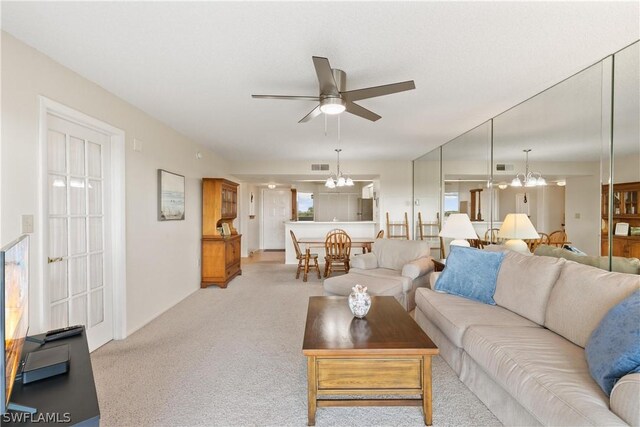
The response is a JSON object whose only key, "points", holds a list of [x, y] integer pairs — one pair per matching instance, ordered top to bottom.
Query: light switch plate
{"points": [[137, 145], [577, 215], [27, 224]]}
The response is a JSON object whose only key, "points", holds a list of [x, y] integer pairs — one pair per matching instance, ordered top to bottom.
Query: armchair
{"points": [[393, 267]]}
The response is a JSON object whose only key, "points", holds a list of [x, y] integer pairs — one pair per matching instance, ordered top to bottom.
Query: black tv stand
{"points": [[67, 399]]}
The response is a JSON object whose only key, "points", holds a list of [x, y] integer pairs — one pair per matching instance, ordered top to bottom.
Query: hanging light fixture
{"points": [[528, 178], [339, 179]]}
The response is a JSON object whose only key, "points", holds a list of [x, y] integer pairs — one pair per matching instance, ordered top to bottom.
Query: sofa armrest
{"points": [[365, 261], [418, 268], [433, 277], [625, 399]]}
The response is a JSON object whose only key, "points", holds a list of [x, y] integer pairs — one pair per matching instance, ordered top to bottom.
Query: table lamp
{"points": [[458, 227], [515, 228]]}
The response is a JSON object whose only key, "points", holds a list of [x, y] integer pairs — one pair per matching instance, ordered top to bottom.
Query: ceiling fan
{"points": [[333, 96]]}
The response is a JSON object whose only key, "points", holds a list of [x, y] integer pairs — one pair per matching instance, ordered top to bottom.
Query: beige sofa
{"points": [[618, 263], [393, 267], [524, 357]]}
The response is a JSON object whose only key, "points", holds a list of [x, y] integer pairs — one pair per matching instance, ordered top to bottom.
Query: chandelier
{"points": [[528, 178], [339, 179]]}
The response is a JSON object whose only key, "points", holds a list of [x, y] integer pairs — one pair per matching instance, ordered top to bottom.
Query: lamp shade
{"points": [[458, 226], [517, 226]]}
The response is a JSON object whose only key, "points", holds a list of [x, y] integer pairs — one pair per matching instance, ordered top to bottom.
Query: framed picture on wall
{"points": [[170, 196]]}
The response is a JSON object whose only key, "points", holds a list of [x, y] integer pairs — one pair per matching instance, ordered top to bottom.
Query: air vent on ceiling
{"points": [[320, 167], [504, 167]]}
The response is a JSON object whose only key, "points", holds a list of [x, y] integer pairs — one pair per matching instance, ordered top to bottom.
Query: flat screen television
{"points": [[14, 312]]}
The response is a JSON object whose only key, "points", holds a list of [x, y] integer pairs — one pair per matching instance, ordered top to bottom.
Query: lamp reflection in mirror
{"points": [[458, 227], [515, 228]]}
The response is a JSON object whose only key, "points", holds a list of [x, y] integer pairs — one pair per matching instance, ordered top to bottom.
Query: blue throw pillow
{"points": [[470, 273], [613, 350]]}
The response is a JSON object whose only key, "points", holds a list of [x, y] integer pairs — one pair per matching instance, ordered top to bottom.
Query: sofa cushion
{"points": [[394, 254], [619, 264], [385, 273], [470, 273], [525, 282], [341, 285], [582, 296], [453, 314], [613, 350], [547, 374], [625, 399]]}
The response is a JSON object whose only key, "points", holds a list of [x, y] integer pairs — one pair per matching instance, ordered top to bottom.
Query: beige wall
{"points": [[162, 257]]}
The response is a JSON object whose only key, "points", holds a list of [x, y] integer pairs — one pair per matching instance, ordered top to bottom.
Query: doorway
{"points": [[276, 210], [82, 224]]}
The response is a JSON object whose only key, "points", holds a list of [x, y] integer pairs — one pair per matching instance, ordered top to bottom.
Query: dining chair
{"points": [[402, 228], [380, 234], [491, 236], [558, 238], [337, 247], [304, 259]]}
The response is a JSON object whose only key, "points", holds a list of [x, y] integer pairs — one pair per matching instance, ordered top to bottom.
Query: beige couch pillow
{"points": [[394, 254], [525, 282], [582, 296]]}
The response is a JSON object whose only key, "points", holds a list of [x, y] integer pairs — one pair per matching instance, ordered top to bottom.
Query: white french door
{"points": [[276, 207], [78, 282]]}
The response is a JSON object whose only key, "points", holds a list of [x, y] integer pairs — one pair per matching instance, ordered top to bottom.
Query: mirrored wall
{"points": [[552, 158]]}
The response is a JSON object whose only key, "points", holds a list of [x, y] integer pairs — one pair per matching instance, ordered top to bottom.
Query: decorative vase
{"points": [[359, 301]]}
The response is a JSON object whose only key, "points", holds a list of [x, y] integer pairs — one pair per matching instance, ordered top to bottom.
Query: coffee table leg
{"points": [[312, 389], [426, 390]]}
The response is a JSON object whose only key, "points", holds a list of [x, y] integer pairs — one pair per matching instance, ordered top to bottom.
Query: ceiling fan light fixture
{"points": [[332, 105], [561, 183], [502, 186]]}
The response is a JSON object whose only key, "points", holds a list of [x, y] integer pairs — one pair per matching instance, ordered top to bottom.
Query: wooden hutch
{"points": [[626, 208], [220, 251]]}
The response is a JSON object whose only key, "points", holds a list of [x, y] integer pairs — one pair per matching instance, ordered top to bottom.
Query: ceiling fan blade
{"points": [[325, 76], [372, 92], [287, 97], [362, 112], [312, 114]]}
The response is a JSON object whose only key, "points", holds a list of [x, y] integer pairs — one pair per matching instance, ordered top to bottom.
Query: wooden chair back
{"points": [[401, 227], [380, 234], [491, 235], [544, 238], [558, 238], [296, 245], [337, 245]]}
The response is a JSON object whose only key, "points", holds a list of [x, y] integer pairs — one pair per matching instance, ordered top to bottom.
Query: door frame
{"points": [[116, 211]]}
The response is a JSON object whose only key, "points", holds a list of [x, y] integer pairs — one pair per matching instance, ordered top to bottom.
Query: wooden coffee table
{"points": [[384, 354]]}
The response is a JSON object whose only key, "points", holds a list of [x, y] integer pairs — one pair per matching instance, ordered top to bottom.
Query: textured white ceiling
{"points": [[195, 65]]}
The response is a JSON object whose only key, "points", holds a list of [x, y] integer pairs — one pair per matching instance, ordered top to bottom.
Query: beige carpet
{"points": [[233, 357]]}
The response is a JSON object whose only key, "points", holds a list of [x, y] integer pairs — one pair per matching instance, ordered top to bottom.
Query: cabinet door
{"points": [[619, 247], [633, 248], [232, 254]]}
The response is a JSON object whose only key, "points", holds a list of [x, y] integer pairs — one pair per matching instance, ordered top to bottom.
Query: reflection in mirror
{"points": [[547, 155], [466, 172], [426, 196], [625, 224]]}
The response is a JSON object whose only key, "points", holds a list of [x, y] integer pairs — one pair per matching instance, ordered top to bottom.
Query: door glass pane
{"points": [[56, 152], [76, 156], [95, 160], [57, 195], [95, 197], [77, 204], [95, 234], [77, 236], [57, 237], [95, 270], [78, 275], [57, 280], [97, 307], [78, 310], [59, 315]]}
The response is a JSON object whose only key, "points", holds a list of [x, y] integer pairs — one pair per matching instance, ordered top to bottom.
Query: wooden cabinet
{"points": [[626, 208], [220, 253]]}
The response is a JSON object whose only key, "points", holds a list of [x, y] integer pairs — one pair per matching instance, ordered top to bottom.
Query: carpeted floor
{"points": [[233, 357]]}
